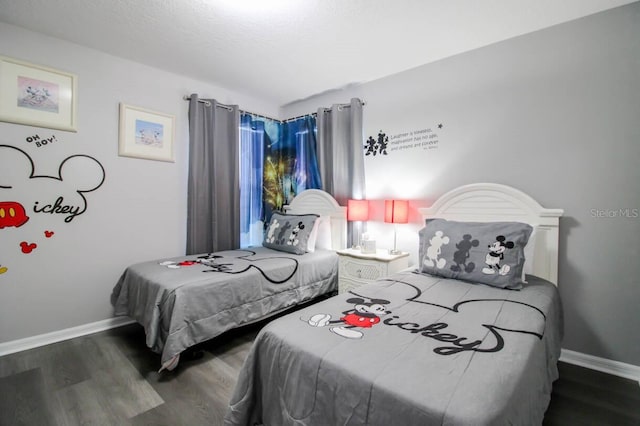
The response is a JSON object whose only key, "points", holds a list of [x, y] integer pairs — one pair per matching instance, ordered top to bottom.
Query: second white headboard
{"points": [[491, 202]]}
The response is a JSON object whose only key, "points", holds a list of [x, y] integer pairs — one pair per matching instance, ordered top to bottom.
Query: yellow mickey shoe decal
{"points": [[3, 269]]}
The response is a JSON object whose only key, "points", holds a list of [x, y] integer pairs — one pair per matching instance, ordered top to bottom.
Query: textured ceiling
{"points": [[286, 50]]}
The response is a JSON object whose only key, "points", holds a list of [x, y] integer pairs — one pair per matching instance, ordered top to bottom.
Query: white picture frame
{"points": [[35, 95], [146, 134]]}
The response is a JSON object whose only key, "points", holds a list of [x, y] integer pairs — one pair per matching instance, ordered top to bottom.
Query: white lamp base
{"points": [[394, 250]]}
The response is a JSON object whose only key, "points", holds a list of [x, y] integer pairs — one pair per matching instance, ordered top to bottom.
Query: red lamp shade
{"points": [[358, 210], [396, 211]]}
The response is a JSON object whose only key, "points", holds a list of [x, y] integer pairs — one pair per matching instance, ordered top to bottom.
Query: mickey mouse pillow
{"points": [[289, 232], [490, 253]]}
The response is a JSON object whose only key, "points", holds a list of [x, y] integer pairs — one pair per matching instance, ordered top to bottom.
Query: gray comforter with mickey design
{"points": [[187, 300], [409, 350]]}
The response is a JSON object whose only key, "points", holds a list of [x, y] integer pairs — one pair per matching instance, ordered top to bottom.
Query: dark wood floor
{"points": [[111, 378]]}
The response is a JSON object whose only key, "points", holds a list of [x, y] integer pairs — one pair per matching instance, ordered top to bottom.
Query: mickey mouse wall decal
{"points": [[375, 146], [77, 175], [24, 192], [12, 214], [27, 247]]}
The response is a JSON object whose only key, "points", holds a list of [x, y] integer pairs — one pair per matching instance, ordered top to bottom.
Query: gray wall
{"points": [[555, 113], [138, 214]]}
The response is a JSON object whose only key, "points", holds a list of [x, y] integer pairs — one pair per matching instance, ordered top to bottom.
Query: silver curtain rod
{"points": [[229, 108]]}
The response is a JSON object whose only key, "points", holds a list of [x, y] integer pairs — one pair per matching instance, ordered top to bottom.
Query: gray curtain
{"points": [[340, 150], [213, 199]]}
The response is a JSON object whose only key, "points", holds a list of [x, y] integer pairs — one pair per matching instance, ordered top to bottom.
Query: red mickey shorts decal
{"points": [[12, 214]]}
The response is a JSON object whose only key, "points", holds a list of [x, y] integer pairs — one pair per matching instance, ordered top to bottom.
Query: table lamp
{"points": [[396, 211], [358, 212]]}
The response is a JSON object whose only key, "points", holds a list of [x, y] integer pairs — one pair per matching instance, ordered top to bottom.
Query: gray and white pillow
{"points": [[289, 232], [491, 253]]}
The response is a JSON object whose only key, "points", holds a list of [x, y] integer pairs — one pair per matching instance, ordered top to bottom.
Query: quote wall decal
{"points": [[383, 144]]}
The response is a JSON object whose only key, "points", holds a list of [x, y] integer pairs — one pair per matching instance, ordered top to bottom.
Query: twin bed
{"points": [[187, 300], [469, 335], [459, 339]]}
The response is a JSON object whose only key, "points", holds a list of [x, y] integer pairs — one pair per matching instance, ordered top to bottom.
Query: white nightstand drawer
{"points": [[356, 268], [362, 270]]}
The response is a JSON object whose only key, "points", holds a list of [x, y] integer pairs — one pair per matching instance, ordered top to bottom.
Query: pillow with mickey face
{"points": [[289, 232], [490, 253]]}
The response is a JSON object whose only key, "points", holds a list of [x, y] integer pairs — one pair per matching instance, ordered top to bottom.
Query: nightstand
{"points": [[356, 268]]}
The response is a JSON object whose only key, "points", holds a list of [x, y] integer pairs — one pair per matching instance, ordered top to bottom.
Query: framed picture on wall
{"points": [[35, 95], [146, 134]]}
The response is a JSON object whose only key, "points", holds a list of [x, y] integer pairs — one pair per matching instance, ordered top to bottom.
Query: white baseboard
{"points": [[58, 336], [628, 371]]}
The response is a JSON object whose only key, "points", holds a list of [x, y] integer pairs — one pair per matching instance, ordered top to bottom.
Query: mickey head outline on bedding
{"points": [[369, 311]]}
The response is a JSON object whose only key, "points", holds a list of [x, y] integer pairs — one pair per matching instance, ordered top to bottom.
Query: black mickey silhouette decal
{"points": [[62, 195]]}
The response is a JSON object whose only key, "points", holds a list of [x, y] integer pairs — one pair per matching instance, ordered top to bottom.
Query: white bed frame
{"points": [[491, 202], [323, 204]]}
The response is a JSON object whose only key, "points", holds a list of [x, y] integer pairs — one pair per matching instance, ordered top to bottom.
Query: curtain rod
{"points": [[229, 108]]}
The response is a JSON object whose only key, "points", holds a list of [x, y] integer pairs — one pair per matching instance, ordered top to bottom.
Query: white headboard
{"points": [[491, 202], [323, 204]]}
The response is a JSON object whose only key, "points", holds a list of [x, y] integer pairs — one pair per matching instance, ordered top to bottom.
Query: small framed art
{"points": [[35, 95], [145, 134]]}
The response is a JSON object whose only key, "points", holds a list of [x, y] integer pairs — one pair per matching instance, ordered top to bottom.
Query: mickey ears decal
{"points": [[82, 171], [77, 175], [27, 247]]}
